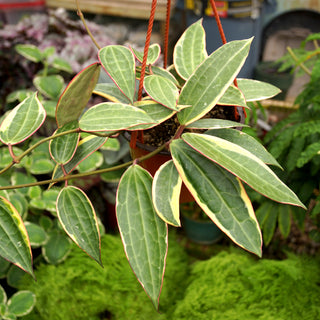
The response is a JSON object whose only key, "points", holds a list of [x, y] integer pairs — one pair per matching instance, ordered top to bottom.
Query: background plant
{"points": [[294, 142]]}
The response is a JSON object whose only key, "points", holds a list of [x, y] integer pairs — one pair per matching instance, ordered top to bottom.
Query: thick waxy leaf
{"points": [[190, 50], [29, 51], [153, 54], [118, 61], [163, 73], [211, 79], [50, 86], [255, 90], [162, 91], [111, 92], [77, 94], [233, 97], [156, 111], [111, 116], [22, 121], [214, 124], [247, 142], [63, 148], [85, 148], [243, 164], [166, 188], [220, 195], [78, 218], [143, 233], [15, 245], [21, 303]]}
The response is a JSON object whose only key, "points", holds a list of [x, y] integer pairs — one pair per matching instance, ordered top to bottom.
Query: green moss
{"points": [[234, 286], [80, 289]]}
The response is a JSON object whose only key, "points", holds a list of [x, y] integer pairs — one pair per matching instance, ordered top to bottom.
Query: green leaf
{"points": [[190, 50], [29, 51], [153, 54], [118, 61], [61, 64], [163, 73], [211, 79], [50, 86], [255, 90], [162, 91], [111, 92], [77, 94], [233, 97], [156, 111], [109, 116], [22, 121], [214, 124], [247, 142], [63, 148], [85, 148], [5, 157], [94, 161], [40, 164], [243, 164], [166, 188], [220, 195], [20, 202], [78, 218], [284, 220], [270, 222], [143, 233], [37, 235], [15, 245], [57, 248], [14, 276], [3, 295], [21, 303]]}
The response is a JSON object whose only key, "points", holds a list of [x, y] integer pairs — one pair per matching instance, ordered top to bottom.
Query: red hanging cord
{"points": [[166, 35], [224, 41], [146, 48], [134, 135]]}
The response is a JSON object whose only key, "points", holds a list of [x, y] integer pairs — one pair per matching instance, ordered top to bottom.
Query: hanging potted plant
{"points": [[207, 155]]}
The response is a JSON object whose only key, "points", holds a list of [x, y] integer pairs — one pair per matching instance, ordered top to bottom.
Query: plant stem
{"points": [[80, 14], [300, 63], [86, 174]]}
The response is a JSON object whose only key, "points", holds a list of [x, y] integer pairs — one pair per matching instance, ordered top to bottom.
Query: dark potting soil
{"points": [[159, 135]]}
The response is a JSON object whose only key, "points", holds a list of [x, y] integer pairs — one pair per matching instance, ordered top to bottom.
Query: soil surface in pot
{"points": [[159, 135]]}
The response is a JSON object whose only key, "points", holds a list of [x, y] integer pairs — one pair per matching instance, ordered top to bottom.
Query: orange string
{"points": [[166, 35], [224, 41], [146, 48], [135, 134]]}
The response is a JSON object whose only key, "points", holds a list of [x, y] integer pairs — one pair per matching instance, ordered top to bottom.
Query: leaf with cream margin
{"points": [[190, 50], [119, 63], [208, 83], [75, 97], [109, 116], [22, 121], [244, 165], [166, 189], [220, 194], [77, 217], [144, 234], [15, 246]]}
